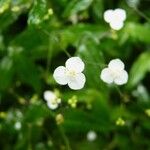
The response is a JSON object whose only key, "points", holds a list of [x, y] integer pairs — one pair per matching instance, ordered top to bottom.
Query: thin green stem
{"points": [[141, 14], [48, 34], [104, 35], [67, 53], [49, 56], [124, 98], [62, 133], [29, 137], [66, 141]]}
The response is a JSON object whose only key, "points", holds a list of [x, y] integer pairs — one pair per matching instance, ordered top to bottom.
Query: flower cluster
{"points": [[115, 18], [71, 73], [73, 76], [52, 99], [120, 122]]}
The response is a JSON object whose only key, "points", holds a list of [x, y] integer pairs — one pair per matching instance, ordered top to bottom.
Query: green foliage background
{"points": [[36, 36]]}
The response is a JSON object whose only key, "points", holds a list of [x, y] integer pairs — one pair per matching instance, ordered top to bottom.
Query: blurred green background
{"points": [[36, 37]]}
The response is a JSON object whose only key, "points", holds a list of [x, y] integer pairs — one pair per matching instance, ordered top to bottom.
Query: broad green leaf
{"points": [[4, 5], [76, 6], [97, 7], [37, 13], [6, 19], [138, 32], [74, 34], [35, 48], [90, 53], [140, 67], [27, 72], [6, 73], [36, 113], [98, 116], [81, 121]]}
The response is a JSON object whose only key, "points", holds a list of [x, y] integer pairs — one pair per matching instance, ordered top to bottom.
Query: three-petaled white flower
{"points": [[115, 18], [114, 73], [71, 74], [52, 99]]}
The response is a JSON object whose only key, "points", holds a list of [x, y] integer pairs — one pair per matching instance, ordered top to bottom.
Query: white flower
{"points": [[115, 18], [114, 73], [71, 74], [52, 100], [17, 125], [91, 136]]}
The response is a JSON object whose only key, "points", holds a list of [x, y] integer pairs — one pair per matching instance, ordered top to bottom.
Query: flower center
{"points": [[116, 18], [71, 73], [115, 73], [54, 101]]}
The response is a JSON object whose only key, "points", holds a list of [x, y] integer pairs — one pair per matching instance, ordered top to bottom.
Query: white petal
{"points": [[108, 14], [120, 14], [116, 24], [75, 63], [116, 64], [60, 75], [106, 75], [122, 79], [78, 82], [49, 95], [52, 106]]}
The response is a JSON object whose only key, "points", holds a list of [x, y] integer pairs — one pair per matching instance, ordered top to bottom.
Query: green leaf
{"points": [[4, 5], [76, 6], [98, 9], [37, 12], [6, 19], [138, 32], [74, 34], [38, 42], [89, 51], [140, 67], [6, 72], [27, 72], [36, 113], [77, 120], [80, 121]]}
